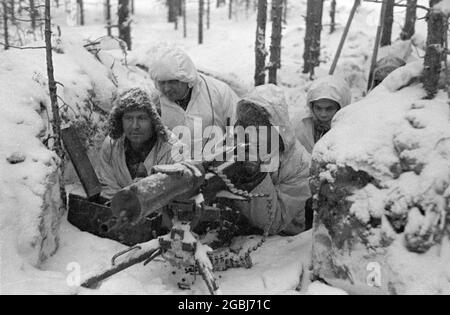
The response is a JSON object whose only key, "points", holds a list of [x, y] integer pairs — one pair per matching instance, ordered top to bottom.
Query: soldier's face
{"points": [[174, 90], [325, 110], [137, 127]]}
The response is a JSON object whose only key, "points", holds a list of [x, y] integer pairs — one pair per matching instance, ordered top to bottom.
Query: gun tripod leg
{"points": [[156, 254], [209, 279]]}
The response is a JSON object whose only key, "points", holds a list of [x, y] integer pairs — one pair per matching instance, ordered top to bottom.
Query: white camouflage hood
{"points": [[173, 64], [331, 87], [273, 99]]}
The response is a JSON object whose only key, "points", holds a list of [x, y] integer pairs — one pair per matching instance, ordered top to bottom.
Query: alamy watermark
{"points": [[250, 144]]}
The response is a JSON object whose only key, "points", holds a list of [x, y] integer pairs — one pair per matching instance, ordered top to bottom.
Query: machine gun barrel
{"points": [[152, 193]]}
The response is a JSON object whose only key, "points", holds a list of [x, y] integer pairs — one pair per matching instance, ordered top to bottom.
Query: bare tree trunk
{"points": [[12, 6], [132, 6], [180, 7], [247, 8], [176, 9], [230, 9], [81, 11], [285, 11], [172, 13], [33, 14], [208, 14], [108, 17], [333, 17], [184, 19], [200, 21], [410, 21], [124, 22], [5, 25], [312, 36], [386, 37], [260, 45], [435, 45], [275, 48], [56, 119]]}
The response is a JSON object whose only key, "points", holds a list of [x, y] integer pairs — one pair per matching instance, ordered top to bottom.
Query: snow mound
{"points": [[381, 184], [30, 206]]}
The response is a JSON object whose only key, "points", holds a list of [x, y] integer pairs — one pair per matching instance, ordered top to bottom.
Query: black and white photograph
{"points": [[246, 149]]}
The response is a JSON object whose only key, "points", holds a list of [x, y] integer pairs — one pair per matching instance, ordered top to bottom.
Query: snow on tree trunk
{"points": [[333, 16], [410, 20], [124, 22], [5, 25], [312, 36], [386, 37], [260, 45], [275, 48], [434, 51], [56, 118], [381, 185]]}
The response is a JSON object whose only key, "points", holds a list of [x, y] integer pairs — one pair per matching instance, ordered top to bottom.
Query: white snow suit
{"points": [[330, 87], [212, 102], [288, 187]]}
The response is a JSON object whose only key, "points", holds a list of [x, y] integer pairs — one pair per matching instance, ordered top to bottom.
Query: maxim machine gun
{"points": [[192, 194]]}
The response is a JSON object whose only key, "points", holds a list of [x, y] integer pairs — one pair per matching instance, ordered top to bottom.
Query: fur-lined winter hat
{"points": [[132, 100]]}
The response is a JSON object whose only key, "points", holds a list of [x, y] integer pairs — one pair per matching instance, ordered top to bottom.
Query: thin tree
{"points": [[12, 6], [132, 6], [180, 7], [247, 8], [230, 9], [81, 11], [172, 11], [285, 11], [175, 13], [208, 14], [33, 15], [333, 16], [108, 17], [184, 19], [200, 21], [124, 22], [5, 24], [409, 28], [312, 36], [386, 37], [260, 44], [275, 48], [435, 50], [56, 118]]}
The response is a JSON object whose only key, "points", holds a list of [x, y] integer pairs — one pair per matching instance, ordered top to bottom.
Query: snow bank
{"points": [[443, 6], [381, 184], [29, 188]]}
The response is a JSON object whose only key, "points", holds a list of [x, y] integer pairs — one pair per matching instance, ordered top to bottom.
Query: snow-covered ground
{"points": [[228, 51]]}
